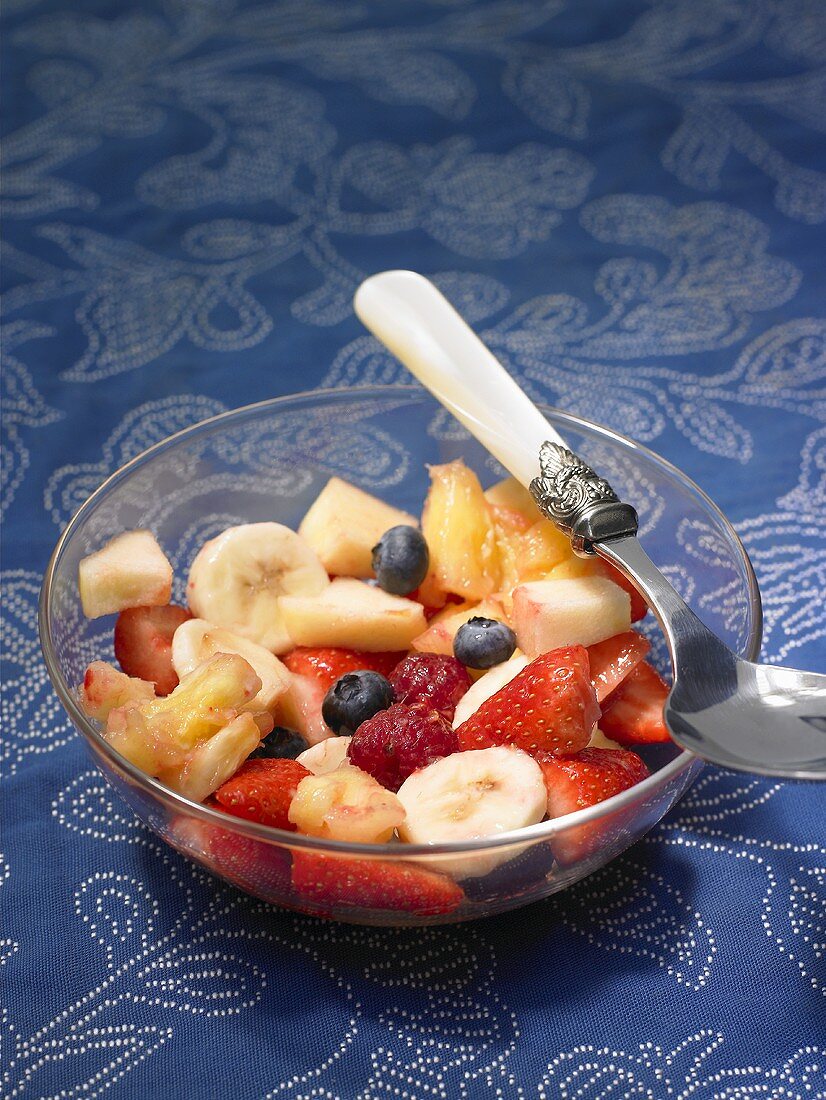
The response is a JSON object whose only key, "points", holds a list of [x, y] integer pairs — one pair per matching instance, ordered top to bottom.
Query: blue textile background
{"points": [[627, 199]]}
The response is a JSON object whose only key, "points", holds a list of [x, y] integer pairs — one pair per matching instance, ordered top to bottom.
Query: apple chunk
{"points": [[344, 524], [131, 570], [580, 611], [355, 615]]}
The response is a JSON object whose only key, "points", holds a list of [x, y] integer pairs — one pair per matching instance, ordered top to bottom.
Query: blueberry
{"points": [[400, 560], [483, 643], [353, 699], [281, 743]]}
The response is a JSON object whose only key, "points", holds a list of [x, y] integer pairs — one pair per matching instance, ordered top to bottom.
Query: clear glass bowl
{"points": [[267, 462]]}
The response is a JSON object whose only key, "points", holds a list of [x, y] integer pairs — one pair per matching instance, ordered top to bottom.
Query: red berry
{"points": [[143, 643], [614, 659], [326, 665], [433, 679], [549, 707], [633, 715], [398, 741], [587, 777], [583, 779], [262, 790], [252, 865], [332, 881]]}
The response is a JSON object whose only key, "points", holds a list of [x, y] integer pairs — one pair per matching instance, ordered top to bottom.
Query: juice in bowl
{"points": [[328, 651]]}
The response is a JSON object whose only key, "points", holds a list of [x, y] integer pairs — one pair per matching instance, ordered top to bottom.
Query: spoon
{"points": [[732, 712]]}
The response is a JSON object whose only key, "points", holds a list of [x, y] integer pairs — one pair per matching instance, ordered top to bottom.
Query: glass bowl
{"points": [[267, 462]]}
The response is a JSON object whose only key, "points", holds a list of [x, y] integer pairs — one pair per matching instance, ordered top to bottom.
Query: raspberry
{"points": [[432, 679], [398, 741]]}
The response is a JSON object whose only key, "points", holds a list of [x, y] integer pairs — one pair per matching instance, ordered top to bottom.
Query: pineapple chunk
{"points": [[514, 497], [344, 524], [510, 528], [460, 534], [542, 549], [574, 567], [131, 570], [581, 611], [355, 615], [441, 630], [196, 640], [105, 687], [206, 699], [158, 735], [212, 762], [346, 804]]}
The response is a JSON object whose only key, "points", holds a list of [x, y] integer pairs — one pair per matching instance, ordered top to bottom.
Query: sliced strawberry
{"points": [[639, 608], [143, 643], [613, 659], [326, 665], [549, 707], [633, 715], [583, 779], [262, 790], [252, 865], [331, 881]]}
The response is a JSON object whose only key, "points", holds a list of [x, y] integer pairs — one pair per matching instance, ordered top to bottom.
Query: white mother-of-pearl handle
{"points": [[421, 328]]}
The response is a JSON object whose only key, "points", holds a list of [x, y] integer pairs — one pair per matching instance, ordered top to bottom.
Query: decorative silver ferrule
{"points": [[578, 501]]}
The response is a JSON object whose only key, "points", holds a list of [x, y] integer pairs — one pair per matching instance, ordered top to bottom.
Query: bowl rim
{"points": [[179, 804]]}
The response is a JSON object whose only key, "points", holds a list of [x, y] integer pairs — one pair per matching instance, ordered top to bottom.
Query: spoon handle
{"points": [[420, 327]]}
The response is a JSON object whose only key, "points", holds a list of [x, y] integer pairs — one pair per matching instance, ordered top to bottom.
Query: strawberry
{"points": [[639, 608], [143, 643], [613, 659], [328, 664], [549, 707], [633, 714], [583, 779], [262, 790], [251, 865], [334, 881]]}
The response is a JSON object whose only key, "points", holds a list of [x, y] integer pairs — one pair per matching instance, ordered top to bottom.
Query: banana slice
{"points": [[238, 578], [196, 640], [326, 756], [469, 795]]}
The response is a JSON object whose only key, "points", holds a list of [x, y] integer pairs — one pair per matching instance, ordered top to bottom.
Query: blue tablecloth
{"points": [[627, 199]]}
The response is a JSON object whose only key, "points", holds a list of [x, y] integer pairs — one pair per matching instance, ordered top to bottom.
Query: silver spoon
{"points": [[741, 715]]}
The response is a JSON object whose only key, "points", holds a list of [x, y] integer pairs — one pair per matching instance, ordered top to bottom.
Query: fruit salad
{"points": [[375, 677]]}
